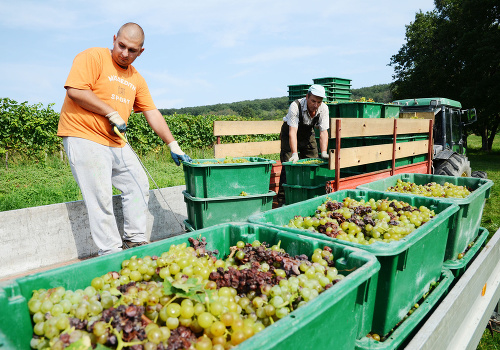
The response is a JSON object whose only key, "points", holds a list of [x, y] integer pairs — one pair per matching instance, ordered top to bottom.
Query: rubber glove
{"points": [[115, 120], [177, 154], [325, 155], [294, 158]]}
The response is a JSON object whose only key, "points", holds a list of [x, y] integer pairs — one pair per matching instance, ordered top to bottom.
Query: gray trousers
{"points": [[97, 168]]}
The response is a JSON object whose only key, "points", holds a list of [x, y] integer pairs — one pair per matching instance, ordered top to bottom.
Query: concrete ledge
{"points": [[38, 237]]}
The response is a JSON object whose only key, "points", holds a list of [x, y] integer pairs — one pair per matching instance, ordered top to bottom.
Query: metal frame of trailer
{"points": [[462, 316]]}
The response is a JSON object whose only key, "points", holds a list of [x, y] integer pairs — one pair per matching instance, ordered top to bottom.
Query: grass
{"points": [[489, 162], [27, 184]]}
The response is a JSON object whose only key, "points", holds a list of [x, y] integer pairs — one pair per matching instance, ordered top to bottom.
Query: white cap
{"points": [[317, 90]]}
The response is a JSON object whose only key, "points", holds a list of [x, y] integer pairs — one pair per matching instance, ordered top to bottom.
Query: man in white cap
{"points": [[297, 136]]}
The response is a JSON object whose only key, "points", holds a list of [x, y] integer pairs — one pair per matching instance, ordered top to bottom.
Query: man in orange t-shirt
{"points": [[102, 89]]}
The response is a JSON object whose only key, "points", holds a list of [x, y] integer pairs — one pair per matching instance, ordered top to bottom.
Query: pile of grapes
{"points": [[227, 160], [312, 161], [431, 189], [364, 222], [185, 298]]}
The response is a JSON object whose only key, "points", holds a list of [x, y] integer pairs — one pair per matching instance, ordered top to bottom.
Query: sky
{"points": [[204, 52]]}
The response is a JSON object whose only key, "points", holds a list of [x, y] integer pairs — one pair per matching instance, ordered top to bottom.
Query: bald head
{"points": [[132, 31], [127, 44]]}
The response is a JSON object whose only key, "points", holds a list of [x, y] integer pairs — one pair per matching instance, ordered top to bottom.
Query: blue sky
{"points": [[205, 52]]}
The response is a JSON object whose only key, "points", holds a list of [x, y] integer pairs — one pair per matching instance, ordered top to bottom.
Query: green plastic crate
{"points": [[330, 80], [298, 87], [342, 88], [337, 95], [336, 100], [333, 110], [360, 110], [390, 110], [387, 164], [300, 174], [230, 179], [297, 193], [205, 212], [466, 221], [408, 266], [459, 266], [343, 312], [406, 330]]}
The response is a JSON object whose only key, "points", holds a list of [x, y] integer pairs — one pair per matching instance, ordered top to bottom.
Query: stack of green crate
{"points": [[337, 89], [297, 91], [306, 180], [218, 192]]}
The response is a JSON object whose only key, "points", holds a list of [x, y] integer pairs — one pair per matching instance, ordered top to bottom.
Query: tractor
{"points": [[450, 157]]}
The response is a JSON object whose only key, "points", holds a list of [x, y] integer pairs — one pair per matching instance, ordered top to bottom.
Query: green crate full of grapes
{"points": [[224, 177], [467, 192], [406, 233], [191, 291]]}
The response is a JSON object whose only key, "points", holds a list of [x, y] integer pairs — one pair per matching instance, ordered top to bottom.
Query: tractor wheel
{"points": [[457, 165], [479, 174]]}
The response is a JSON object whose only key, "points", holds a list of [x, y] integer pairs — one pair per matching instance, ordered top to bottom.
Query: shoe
{"points": [[129, 244]]}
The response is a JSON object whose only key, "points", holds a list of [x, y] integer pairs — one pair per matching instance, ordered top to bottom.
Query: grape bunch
{"points": [[227, 160], [312, 161], [431, 189], [364, 222], [185, 298]]}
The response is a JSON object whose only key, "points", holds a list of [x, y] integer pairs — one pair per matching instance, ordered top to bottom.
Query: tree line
{"points": [[453, 51], [274, 108]]}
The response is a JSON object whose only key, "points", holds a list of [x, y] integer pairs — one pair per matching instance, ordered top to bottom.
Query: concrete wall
{"points": [[37, 237]]}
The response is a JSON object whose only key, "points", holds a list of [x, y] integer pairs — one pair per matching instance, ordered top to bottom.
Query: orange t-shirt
{"points": [[122, 89]]}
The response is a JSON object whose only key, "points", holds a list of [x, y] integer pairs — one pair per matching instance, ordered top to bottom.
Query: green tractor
{"points": [[450, 157]]}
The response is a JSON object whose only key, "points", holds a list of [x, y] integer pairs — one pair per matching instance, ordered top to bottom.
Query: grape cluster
{"points": [[227, 160], [312, 161], [431, 189], [364, 222], [186, 298]]}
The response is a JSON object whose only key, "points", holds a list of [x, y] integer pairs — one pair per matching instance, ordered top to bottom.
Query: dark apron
{"points": [[306, 144]]}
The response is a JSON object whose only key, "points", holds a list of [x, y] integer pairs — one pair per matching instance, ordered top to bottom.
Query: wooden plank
{"points": [[243, 127], [352, 127], [247, 149], [378, 153], [461, 318]]}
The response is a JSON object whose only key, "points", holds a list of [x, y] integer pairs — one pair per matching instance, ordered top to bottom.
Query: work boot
{"points": [[129, 244]]}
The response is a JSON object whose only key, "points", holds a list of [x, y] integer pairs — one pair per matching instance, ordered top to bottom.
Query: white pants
{"points": [[96, 169]]}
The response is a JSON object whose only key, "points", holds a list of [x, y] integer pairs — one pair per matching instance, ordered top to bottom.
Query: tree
{"points": [[454, 52]]}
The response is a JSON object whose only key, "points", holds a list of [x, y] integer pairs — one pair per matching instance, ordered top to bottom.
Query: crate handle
{"points": [[402, 258], [362, 296]]}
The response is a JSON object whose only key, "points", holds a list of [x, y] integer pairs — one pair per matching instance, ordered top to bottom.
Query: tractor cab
{"points": [[449, 139]]}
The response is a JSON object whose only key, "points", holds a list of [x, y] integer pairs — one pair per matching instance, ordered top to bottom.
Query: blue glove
{"points": [[115, 120], [177, 154]]}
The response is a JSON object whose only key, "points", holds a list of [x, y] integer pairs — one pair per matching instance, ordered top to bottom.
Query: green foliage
{"points": [[454, 52], [378, 93], [266, 109], [29, 130], [191, 132]]}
